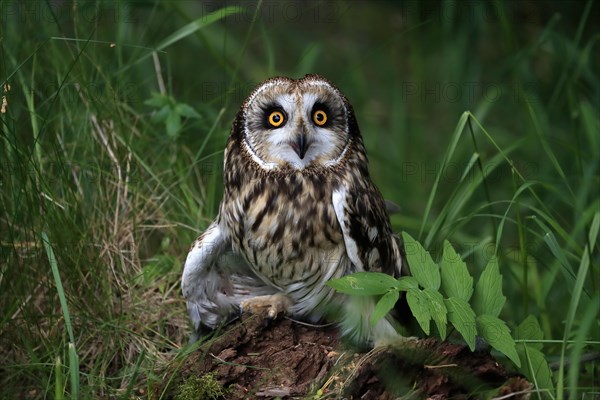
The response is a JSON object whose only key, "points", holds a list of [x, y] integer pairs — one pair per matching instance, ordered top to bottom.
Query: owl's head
{"points": [[296, 123]]}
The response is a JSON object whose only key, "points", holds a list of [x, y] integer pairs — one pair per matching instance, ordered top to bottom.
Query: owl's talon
{"points": [[269, 306]]}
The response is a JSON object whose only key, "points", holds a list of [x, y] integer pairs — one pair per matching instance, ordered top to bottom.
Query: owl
{"points": [[298, 209]]}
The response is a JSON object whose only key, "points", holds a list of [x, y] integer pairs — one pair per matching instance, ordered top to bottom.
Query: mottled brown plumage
{"points": [[299, 208]]}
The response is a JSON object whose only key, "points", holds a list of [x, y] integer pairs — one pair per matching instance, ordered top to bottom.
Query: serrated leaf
{"points": [[186, 111], [173, 123], [422, 267], [456, 280], [364, 283], [405, 283], [488, 298], [417, 301], [384, 305], [437, 309], [462, 317], [529, 329], [497, 334], [535, 367]]}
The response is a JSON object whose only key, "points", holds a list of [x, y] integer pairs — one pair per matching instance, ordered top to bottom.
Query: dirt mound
{"points": [[258, 358]]}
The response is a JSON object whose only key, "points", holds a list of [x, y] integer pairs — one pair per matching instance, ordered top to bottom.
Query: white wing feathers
{"points": [[339, 203], [215, 280], [200, 282]]}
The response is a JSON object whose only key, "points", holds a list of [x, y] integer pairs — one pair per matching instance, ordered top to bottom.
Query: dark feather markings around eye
{"points": [[320, 115], [274, 117]]}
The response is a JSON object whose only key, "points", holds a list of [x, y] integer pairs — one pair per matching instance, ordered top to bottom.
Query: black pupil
{"points": [[320, 116], [276, 118]]}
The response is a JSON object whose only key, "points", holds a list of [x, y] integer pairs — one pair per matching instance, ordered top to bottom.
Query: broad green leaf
{"points": [[157, 100], [186, 111], [161, 114], [173, 123], [422, 267], [456, 281], [364, 283], [405, 283], [488, 298], [418, 303], [384, 305], [437, 309], [462, 317], [529, 329], [497, 334], [535, 367]]}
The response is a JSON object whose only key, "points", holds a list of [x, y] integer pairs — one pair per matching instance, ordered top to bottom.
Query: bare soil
{"points": [[262, 359]]}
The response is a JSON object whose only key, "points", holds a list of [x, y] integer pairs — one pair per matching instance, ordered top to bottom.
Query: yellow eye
{"points": [[320, 117], [276, 119]]}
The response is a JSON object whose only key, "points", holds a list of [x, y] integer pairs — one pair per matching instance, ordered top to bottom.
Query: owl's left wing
{"points": [[370, 243]]}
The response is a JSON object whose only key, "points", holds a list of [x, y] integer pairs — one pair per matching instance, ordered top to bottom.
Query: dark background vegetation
{"points": [[114, 119]]}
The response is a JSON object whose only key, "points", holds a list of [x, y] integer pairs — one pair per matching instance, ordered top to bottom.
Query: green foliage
{"points": [[170, 113], [496, 152], [428, 303], [534, 366], [203, 387]]}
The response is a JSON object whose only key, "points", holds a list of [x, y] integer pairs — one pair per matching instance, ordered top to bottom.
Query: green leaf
{"points": [[157, 100], [186, 111], [161, 115], [173, 123], [422, 267], [456, 280], [364, 283], [405, 283], [488, 298], [418, 303], [384, 305], [437, 309], [462, 317], [529, 329], [497, 334], [535, 367]]}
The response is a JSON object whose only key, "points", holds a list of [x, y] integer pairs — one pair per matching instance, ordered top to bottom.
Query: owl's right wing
{"points": [[368, 238], [370, 246]]}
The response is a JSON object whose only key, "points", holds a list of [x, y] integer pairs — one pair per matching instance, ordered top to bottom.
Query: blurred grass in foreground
{"points": [[114, 118]]}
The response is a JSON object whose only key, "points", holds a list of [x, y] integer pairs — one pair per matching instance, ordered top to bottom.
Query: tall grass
{"points": [[480, 119]]}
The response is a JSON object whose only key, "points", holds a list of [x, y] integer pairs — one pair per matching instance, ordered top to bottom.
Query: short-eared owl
{"points": [[299, 208]]}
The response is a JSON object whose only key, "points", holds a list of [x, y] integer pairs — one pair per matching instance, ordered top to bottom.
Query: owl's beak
{"points": [[301, 145]]}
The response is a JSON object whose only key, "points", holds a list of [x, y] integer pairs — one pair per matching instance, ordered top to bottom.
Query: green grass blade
{"points": [[188, 30], [456, 135], [59, 287], [570, 318], [586, 325], [73, 357], [74, 371], [58, 380]]}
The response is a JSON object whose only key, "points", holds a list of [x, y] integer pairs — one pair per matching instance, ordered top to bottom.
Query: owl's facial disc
{"points": [[296, 124]]}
